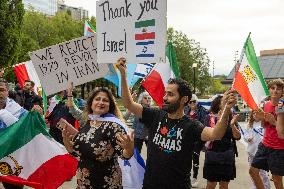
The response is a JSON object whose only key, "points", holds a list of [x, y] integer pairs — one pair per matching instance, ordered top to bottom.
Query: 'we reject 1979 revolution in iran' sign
{"points": [[134, 29], [74, 60]]}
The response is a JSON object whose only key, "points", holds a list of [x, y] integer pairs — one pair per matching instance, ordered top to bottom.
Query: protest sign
{"points": [[134, 29], [74, 60]]}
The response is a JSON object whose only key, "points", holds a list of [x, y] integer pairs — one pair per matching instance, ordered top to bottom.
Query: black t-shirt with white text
{"points": [[169, 149]]}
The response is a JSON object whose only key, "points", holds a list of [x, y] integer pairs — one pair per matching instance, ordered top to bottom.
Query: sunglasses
{"points": [[147, 98], [192, 101]]}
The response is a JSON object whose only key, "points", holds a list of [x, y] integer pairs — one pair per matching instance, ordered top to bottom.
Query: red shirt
{"points": [[271, 139]]}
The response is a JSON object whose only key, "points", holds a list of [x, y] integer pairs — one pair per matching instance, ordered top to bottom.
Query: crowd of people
{"points": [[175, 135]]}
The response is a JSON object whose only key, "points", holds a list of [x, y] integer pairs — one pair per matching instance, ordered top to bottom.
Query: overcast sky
{"points": [[221, 26]]}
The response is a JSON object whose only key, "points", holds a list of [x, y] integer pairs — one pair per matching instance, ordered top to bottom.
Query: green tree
{"points": [[11, 17], [93, 21], [40, 31], [189, 52], [217, 87]]}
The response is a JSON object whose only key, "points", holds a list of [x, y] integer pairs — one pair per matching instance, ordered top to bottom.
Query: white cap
{"points": [[194, 97]]}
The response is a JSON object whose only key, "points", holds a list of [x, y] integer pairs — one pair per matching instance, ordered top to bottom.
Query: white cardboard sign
{"points": [[134, 29], [74, 60]]}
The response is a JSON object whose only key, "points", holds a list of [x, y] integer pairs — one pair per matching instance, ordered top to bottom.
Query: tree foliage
{"points": [[11, 17], [40, 31], [189, 52], [216, 86]]}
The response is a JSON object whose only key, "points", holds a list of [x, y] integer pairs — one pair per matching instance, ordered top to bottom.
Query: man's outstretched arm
{"points": [[127, 100], [216, 133]]}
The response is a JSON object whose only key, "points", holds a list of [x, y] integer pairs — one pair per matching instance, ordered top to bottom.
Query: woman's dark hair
{"points": [[215, 105], [113, 109]]}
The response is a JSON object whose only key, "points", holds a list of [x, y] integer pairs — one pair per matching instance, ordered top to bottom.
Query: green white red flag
{"points": [[89, 29], [156, 81], [249, 81], [29, 156]]}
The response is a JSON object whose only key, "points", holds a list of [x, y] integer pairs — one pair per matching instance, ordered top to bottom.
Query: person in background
{"points": [[26, 97], [58, 109], [196, 112], [140, 130], [253, 136], [100, 141], [270, 153], [219, 164]]}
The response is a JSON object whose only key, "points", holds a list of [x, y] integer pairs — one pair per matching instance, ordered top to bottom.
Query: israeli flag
{"points": [[142, 70]]}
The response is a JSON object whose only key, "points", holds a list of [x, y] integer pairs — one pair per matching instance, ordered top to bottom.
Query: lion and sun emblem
{"points": [[7, 169]]}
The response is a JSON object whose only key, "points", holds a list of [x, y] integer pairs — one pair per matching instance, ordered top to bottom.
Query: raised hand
{"points": [[121, 65], [70, 89], [229, 99], [259, 114], [268, 117], [234, 120], [127, 143]]}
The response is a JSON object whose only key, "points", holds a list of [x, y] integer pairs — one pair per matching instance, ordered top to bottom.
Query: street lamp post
{"points": [[194, 65]]}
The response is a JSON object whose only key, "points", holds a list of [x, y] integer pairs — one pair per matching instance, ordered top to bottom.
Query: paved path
{"points": [[241, 182]]}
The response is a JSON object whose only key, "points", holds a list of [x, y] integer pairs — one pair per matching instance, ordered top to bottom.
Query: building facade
{"points": [[48, 7], [77, 13]]}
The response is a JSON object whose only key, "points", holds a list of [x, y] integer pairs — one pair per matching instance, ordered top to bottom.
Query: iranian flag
{"points": [[89, 29], [26, 71], [249, 81], [155, 82], [29, 156]]}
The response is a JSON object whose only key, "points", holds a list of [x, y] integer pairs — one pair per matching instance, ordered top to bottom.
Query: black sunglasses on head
{"points": [[192, 101]]}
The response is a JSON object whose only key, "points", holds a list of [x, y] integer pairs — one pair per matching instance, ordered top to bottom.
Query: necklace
{"points": [[177, 122]]}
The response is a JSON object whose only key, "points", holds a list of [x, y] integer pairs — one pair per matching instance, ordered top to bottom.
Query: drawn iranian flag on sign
{"points": [[145, 38], [249, 81]]}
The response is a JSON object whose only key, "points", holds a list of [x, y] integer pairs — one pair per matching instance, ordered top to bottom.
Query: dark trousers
{"points": [[138, 143], [195, 158], [11, 186]]}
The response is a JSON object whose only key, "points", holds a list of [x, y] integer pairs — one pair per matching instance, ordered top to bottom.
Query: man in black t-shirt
{"points": [[171, 133]]}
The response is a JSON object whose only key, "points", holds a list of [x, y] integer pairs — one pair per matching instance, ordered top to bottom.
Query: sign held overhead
{"points": [[134, 29], [74, 60]]}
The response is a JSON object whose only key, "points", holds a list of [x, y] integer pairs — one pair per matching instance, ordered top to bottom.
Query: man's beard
{"points": [[171, 107]]}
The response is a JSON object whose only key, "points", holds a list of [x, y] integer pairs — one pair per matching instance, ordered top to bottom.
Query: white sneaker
{"points": [[194, 183]]}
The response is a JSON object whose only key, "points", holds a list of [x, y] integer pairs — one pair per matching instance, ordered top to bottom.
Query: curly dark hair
{"points": [[183, 88]]}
